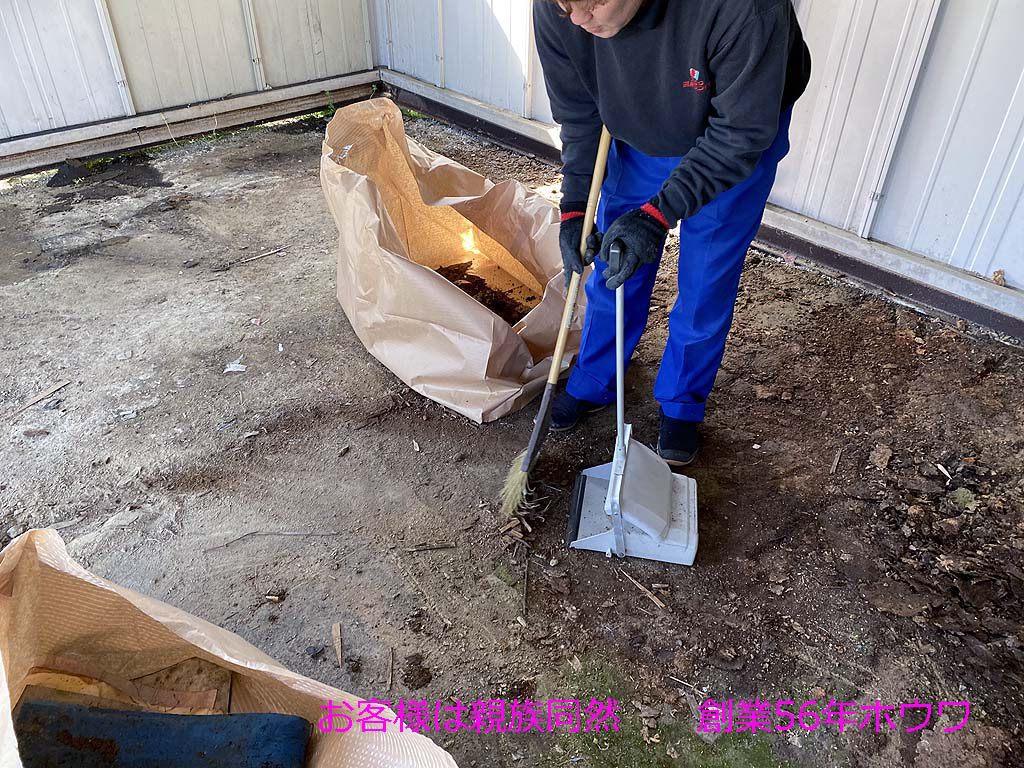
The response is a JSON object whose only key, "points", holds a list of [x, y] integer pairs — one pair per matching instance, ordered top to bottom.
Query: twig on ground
{"points": [[264, 255], [239, 262], [41, 396], [835, 461], [273, 533], [432, 547], [526, 584], [653, 597], [336, 639], [391, 667], [691, 686]]}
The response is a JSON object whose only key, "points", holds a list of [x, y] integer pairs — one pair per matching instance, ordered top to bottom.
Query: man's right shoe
{"points": [[567, 411], [678, 441]]}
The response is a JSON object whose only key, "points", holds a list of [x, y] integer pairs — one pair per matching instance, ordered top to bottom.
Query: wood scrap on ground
{"points": [[41, 396], [653, 597], [336, 639]]}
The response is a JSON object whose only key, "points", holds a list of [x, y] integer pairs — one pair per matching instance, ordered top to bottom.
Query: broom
{"points": [[517, 482]]}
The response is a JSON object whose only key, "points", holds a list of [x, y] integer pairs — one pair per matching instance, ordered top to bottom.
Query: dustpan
{"points": [[634, 506]]}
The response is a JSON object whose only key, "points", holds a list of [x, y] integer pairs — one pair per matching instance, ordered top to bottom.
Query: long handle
{"points": [[574, 282], [620, 363], [543, 420]]}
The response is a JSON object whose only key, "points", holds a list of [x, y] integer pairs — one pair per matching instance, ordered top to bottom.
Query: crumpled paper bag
{"points": [[402, 212], [50, 606]]}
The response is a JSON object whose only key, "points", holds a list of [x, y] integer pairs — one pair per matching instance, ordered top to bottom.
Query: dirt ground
{"points": [[861, 489]]}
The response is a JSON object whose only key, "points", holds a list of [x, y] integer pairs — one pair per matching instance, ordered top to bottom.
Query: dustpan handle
{"points": [[620, 360]]}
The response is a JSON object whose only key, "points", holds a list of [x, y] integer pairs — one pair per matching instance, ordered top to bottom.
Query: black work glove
{"points": [[569, 233], [641, 234]]}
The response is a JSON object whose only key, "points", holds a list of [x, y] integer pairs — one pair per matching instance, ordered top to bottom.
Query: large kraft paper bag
{"points": [[403, 212], [53, 608]]}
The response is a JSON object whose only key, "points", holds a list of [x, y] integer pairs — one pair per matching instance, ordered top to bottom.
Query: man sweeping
{"points": [[697, 95]]}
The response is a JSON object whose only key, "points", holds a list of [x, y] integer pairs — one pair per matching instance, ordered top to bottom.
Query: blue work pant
{"points": [[712, 247]]}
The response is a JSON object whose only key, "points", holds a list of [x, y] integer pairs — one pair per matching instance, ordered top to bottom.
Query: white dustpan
{"points": [[635, 506]]}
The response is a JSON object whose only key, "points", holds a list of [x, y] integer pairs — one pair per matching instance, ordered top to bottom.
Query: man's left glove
{"points": [[570, 232], [641, 234]]}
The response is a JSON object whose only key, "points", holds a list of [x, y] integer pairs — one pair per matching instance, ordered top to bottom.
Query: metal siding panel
{"points": [[826, 25], [413, 34], [344, 35], [521, 38], [303, 40], [381, 41], [223, 47], [182, 52], [487, 58], [55, 68], [540, 107], [23, 110], [847, 121], [843, 125], [998, 182], [955, 184], [1006, 242]]}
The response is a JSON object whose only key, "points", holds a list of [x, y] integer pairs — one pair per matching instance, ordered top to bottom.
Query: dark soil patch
{"points": [[309, 124], [129, 170], [63, 201], [170, 203], [501, 303], [416, 675]]}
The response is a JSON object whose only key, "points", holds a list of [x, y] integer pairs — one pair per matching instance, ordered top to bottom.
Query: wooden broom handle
{"points": [[574, 281]]}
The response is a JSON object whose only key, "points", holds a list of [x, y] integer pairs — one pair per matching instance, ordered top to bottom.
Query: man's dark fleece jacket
{"points": [[705, 80]]}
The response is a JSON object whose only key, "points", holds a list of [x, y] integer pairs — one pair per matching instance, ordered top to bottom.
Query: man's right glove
{"points": [[569, 233], [641, 234]]}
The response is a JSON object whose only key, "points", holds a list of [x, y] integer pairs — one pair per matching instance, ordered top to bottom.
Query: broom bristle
{"points": [[513, 493]]}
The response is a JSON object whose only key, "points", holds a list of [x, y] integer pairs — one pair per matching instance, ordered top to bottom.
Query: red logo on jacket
{"points": [[695, 82]]}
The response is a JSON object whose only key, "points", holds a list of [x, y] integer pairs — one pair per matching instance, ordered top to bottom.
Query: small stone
{"points": [[880, 455], [915, 512], [950, 526], [315, 651]]}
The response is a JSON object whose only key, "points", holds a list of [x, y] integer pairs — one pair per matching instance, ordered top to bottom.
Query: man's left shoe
{"points": [[679, 441]]}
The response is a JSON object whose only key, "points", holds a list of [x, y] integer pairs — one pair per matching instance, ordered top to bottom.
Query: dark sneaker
{"points": [[567, 411], [679, 441]]}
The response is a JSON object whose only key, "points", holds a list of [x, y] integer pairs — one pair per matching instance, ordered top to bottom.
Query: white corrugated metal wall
{"points": [[182, 51], [866, 55], [72, 62], [55, 69], [912, 131], [955, 191]]}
